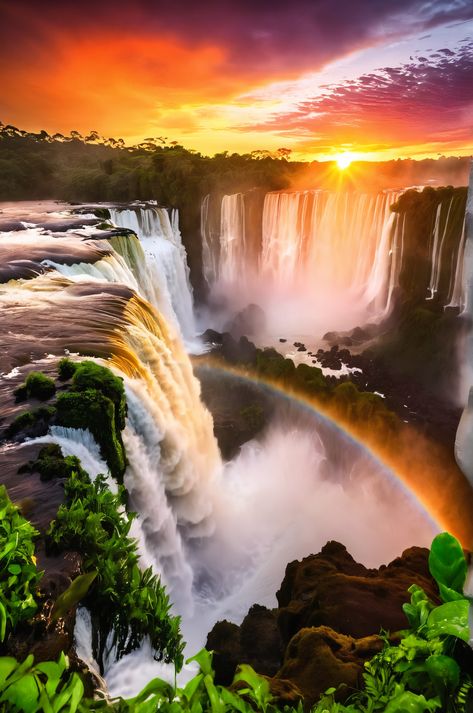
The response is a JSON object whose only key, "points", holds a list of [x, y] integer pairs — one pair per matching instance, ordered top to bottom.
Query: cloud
{"points": [[427, 100]]}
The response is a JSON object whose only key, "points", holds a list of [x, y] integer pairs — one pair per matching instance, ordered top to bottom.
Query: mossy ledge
{"points": [[90, 397]]}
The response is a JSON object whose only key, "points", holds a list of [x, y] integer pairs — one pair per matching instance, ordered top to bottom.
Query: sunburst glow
{"points": [[344, 160]]}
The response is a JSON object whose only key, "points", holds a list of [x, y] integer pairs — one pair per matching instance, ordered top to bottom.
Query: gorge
{"points": [[110, 283]]}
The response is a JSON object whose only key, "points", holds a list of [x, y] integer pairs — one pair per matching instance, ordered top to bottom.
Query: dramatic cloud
{"points": [[145, 67], [427, 100]]}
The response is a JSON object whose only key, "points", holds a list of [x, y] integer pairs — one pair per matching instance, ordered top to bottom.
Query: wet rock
{"points": [[250, 321]]}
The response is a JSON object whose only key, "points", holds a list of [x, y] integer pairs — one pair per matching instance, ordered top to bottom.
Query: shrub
{"points": [[66, 369], [37, 386], [51, 464], [18, 573], [123, 600]]}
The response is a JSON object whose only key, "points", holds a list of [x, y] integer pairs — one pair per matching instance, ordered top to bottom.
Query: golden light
{"points": [[344, 160]]}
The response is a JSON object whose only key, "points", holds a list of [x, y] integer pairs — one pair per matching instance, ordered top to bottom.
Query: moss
{"points": [[103, 213], [104, 226], [66, 369], [89, 375], [37, 386], [91, 409], [27, 420], [51, 464]]}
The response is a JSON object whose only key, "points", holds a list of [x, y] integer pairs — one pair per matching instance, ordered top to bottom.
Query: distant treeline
{"points": [[78, 168], [93, 168]]}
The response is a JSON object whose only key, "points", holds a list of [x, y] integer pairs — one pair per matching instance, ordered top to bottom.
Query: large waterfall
{"points": [[319, 250], [219, 535]]}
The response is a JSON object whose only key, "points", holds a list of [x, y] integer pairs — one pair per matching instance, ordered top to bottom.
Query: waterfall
{"points": [[323, 247], [167, 279]]}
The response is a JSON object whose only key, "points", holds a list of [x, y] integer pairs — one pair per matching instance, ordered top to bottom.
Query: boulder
{"points": [[318, 658]]}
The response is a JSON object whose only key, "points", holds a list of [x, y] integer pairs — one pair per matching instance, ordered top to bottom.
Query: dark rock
{"points": [[251, 320], [210, 336], [283, 341], [332, 589], [331, 610], [256, 642], [318, 658]]}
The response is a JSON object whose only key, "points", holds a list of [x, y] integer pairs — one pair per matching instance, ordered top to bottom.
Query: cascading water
{"points": [[324, 260], [167, 284], [220, 536]]}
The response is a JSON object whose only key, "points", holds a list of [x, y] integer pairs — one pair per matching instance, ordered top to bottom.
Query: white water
{"points": [[166, 259], [327, 260], [220, 537]]}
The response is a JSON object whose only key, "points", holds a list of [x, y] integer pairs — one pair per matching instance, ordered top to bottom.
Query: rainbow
{"points": [[442, 513]]}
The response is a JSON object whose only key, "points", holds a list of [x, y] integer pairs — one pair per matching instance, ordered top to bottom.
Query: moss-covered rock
{"points": [[66, 369], [37, 386], [92, 410], [31, 423]]}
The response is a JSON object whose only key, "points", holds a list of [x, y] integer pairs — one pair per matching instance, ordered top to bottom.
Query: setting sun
{"points": [[344, 160]]}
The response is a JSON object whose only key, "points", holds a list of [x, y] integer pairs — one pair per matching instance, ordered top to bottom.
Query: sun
{"points": [[344, 160]]}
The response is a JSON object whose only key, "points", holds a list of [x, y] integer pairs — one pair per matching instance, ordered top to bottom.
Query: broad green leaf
{"points": [[447, 562], [75, 592], [449, 619], [3, 621], [204, 659], [7, 665], [443, 671], [192, 686], [155, 687], [23, 694], [408, 702], [216, 705]]}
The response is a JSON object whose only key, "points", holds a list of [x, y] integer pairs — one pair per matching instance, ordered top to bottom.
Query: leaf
{"points": [[447, 563], [75, 592], [449, 619], [3, 621], [204, 659], [7, 665], [443, 671], [192, 686], [155, 687], [23, 694], [408, 702], [217, 706]]}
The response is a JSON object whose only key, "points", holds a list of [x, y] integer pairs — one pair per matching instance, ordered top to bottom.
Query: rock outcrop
{"points": [[330, 612]]}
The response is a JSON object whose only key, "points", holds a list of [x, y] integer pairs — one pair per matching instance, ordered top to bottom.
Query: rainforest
{"points": [[236, 357]]}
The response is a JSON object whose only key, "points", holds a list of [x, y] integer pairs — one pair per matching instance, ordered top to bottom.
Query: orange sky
{"points": [[379, 79]]}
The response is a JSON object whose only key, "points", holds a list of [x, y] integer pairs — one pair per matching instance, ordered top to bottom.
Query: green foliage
{"points": [[66, 369], [37, 386], [96, 401], [92, 410], [253, 417], [30, 419], [51, 464], [448, 566], [18, 573], [76, 591], [122, 599], [46, 687]]}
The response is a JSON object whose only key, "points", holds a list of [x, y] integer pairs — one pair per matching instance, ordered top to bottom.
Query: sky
{"points": [[378, 79]]}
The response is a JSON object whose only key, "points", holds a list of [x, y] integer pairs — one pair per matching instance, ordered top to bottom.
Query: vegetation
{"points": [[37, 386], [94, 400], [51, 464], [18, 573], [124, 601], [426, 671], [46, 687]]}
